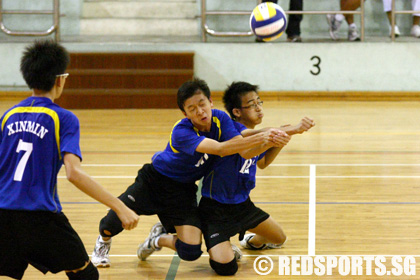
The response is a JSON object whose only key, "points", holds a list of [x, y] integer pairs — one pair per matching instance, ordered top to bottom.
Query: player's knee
{"points": [[110, 226], [188, 252], [224, 269], [89, 273]]}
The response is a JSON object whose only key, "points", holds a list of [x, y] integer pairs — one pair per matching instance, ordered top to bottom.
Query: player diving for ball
{"points": [[166, 186], [225, 207]]}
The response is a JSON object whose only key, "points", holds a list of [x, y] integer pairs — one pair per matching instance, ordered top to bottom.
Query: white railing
{"points": [[393, 13], [55, 27], [206, 30]]}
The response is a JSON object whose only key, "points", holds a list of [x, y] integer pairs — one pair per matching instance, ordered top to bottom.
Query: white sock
{"points": [[339, 17], [102, 240], [156, 243], [255, 246]]}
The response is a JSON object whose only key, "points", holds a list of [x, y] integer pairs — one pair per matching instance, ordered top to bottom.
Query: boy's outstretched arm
{"points": [[304, 125], [238, 144], [86, 184]]}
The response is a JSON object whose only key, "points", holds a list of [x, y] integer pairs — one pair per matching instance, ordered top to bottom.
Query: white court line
{"points": [[275, 164], [348, 164], [112, 165], [344, 176], [104, 177], [276, 177], [312, 197], [312, 210], [206, 255]]}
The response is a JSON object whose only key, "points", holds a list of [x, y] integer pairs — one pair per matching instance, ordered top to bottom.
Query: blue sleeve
{"points": [[227, 126], [239, 127], [1, 130], [70, 135], [185, 139], [261, 156]]}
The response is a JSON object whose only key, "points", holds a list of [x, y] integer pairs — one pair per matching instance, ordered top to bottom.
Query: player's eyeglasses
{"points": [[65, 75], [254, 105]]}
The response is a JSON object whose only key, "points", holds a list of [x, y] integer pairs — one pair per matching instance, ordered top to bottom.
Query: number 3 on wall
{"points": [[316, 65], [27, 147]]}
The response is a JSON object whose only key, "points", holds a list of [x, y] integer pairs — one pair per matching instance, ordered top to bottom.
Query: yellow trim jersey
{"points": [[34, 136], [179, 160], [230, 179]]}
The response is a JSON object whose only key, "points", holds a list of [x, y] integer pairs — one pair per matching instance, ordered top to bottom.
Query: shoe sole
{"points": [[332, 35], [295, 40], [272, 247], [138, 251], [237, 253], [139, 255], [102, 265]]}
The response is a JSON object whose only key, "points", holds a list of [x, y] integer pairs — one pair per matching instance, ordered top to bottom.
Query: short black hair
{"points": [[41, 62], [191, 88], [233, 93]]}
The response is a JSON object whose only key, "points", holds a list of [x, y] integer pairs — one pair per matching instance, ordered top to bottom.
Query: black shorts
{"points": [[152, 193], [222, 221], [43, 239]]}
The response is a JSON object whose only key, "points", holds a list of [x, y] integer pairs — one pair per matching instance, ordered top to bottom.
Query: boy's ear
{"points": [[59, 81], [211, 102], [236, 112]]}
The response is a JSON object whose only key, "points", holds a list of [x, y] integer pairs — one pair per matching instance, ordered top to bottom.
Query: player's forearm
{"points": [[290, 129], [250, 132], [235, 145], [239, 145], [253, 152], [269, 157]]}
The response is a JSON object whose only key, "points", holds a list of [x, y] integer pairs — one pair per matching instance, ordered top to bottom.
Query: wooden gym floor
{"points": [[361, 165]]}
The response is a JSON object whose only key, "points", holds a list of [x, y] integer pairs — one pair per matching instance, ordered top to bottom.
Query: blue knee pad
{"points": [[188, 252], [224, 269], [89, 273]]}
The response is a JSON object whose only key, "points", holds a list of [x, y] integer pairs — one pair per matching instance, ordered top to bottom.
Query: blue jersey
{"points": [[34, 136], [180, 161], [231, 178]]}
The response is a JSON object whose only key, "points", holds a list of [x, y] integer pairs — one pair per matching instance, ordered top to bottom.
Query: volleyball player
{"points": [[36, 138], [166, 186], [225, 207]]}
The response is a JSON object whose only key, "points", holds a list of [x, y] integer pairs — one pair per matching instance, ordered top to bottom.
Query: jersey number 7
{"points": [[27, 147]]}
